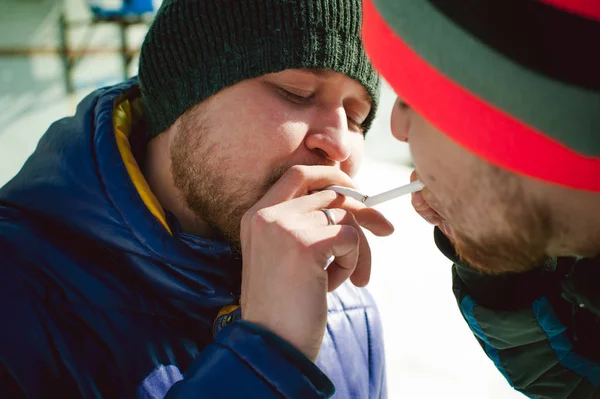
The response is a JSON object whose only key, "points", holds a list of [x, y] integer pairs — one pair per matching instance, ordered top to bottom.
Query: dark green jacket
{"points": [[541, 328]]}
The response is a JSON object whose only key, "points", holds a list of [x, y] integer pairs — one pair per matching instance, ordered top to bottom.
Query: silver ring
{"points": [[330, 218]]}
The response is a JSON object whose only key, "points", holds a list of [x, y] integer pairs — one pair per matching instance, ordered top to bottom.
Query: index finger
{"points": [[299, 180]]}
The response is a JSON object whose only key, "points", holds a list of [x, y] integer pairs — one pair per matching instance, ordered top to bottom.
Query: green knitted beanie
{"points": [[196, 48]]}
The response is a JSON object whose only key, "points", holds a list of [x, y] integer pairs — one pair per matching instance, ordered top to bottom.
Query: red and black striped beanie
{"points": [[516, 82]]}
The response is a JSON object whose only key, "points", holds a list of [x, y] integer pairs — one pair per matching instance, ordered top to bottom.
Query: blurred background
{"points": [[54, 52]]}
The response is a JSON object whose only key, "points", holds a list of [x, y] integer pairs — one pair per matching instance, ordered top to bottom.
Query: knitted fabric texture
{"points": [[195, 48], [515, 82]]}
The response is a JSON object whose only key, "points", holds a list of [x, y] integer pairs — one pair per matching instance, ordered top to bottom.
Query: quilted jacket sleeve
{"points": [[536, 338], [243, 361], [246, 361]]}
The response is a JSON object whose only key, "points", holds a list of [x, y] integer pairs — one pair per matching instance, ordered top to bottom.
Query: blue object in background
{"points": [[122, 8]]}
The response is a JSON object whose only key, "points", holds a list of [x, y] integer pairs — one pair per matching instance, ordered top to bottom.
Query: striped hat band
{"points": [[516, 82]]}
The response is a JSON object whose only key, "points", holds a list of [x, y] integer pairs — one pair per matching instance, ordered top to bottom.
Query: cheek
{"points": [[274, 128], [260, 133], [265, 147], [423, 154], [435, 160]]}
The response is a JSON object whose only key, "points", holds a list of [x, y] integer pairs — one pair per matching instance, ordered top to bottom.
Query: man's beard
{"points": [[218, 200], [524, 227], [499, 254]]}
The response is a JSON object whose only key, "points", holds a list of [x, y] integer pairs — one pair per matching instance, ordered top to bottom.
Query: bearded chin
{"points": [[216, 196], [219, 202], [222, 217], [499, 255]]}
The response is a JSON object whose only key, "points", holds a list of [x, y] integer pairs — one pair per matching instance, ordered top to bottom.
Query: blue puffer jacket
{"points": [[102, 295]]}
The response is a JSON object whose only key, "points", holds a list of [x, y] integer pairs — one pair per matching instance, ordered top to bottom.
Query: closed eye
{"points": [[302, 99], [355, 126]]}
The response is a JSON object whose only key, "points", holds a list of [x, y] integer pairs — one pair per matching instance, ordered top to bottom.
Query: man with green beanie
{"points": [[500, 103], [173, 238]]}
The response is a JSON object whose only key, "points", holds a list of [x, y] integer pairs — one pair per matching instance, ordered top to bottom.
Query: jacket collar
{"points": [[84, 176]]}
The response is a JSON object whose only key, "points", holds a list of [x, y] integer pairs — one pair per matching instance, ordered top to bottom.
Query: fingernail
{"points": [[418, 199]]}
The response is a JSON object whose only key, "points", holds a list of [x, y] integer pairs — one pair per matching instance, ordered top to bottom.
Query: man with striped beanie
{"points": [[500, 103]]}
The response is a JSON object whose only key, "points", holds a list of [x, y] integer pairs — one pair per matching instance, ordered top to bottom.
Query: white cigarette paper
{"points": [[379, 198]]}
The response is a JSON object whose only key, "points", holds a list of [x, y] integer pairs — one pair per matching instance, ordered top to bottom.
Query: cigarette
{"points": [[379, 198]]}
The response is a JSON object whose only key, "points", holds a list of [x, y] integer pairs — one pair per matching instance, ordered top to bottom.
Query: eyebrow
{"points": [[325, 73]]}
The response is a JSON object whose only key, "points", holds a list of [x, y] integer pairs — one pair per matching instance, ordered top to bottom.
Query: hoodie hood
{"points": [[83, 177]]}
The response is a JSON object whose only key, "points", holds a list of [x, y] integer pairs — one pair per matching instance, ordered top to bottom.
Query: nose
{"points": [[400, 122], [330, 136]]}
